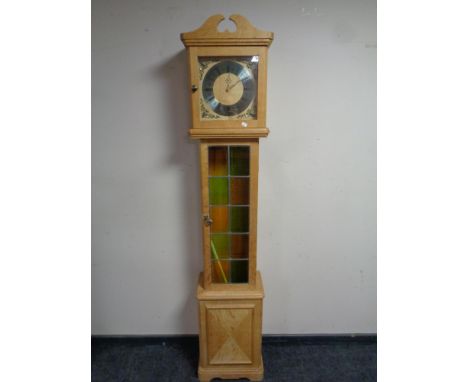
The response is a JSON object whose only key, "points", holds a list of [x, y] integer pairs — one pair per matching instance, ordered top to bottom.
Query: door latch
{"points": [[207, 220]]}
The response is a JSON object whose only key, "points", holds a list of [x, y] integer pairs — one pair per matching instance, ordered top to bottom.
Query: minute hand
{"points": [[231, 86]]}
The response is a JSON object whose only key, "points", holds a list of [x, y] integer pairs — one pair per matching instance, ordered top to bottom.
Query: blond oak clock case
{"points": [[230, 315]]}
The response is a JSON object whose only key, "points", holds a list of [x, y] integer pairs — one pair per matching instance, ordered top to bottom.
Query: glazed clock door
{"points": [[228, 87], [230, 208]]}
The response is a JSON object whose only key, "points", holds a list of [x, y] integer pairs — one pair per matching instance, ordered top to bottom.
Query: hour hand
{"points": [[230, 87]]}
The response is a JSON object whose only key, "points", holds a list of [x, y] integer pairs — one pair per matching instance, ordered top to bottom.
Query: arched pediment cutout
{"points": [[244, 35]]}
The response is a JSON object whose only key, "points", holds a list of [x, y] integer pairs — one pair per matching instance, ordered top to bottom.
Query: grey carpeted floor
{"points": [[156, 359]]}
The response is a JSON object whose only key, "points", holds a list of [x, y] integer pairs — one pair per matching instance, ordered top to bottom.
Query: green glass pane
{"points": [[239, 158], [217, 159], [218, 191], [239, 219], [219, 246], [239, 271], [220, 272]]}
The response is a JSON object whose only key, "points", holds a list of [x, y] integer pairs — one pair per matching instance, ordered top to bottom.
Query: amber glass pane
{"points": [[217, 158], [239, 160], [218, 190], [240, 191], [219, 215], [239, 219], [219, 246], [240, 246], [239, 271], [220, 272]]}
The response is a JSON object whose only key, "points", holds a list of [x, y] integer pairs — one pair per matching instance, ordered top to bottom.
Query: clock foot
{"points": [[228, 372]]}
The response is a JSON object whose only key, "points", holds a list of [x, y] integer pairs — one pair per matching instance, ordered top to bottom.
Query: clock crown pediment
{"points": [[244, 35]]}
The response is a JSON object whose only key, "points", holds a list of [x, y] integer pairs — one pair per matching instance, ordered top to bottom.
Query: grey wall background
{"points": [[317, 186]]}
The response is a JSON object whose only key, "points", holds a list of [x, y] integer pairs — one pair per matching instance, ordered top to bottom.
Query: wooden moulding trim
{"points": [[209, 35], [227, 42], [229, 133], [231, 291]]}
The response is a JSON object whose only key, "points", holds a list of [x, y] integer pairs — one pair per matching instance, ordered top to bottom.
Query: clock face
{"points": [[229, 87]]}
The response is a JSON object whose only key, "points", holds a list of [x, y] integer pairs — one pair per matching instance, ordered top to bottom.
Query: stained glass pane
{"points": [[217, 157], [239, 160], [229, 184], [218, 190], [240, 191], [219, 215], [239, 219], [219, 246], [240, 246], [220, 271], [239, 271]]}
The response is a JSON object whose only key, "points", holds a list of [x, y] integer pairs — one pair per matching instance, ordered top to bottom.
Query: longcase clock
{"points": [[228, 73]]}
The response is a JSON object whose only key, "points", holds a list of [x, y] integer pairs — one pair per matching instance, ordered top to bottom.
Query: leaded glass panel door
{"points": [[229, 208]]}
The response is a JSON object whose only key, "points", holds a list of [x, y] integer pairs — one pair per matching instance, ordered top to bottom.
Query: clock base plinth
{"points": [[231, 332]]}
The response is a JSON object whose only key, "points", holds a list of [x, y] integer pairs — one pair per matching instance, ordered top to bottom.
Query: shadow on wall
{"points": [[183, 153]]}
